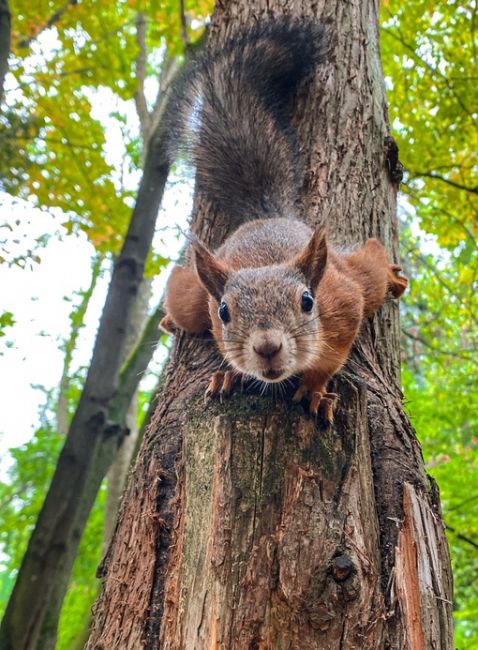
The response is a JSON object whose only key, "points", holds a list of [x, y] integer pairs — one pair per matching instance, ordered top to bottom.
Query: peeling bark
{"points": [[255, 527], [420, 581]]}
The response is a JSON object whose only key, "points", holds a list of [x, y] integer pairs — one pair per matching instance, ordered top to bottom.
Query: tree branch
{"points": [[56, 17], [184, 25], [472, 30], [395, 33], [141, 63], [169, 69], [168, 72], [66, 143], [438, 177], [416, 194], [417, 254], [77, 322], [448, 353], [135, 366], [465, 502], [463, 538]]}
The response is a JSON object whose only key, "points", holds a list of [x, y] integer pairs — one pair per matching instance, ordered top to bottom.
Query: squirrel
{"points": [[279, 300]]}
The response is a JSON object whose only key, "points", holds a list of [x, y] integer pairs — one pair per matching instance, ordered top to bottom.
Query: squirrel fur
{"points": [[279, 300]]}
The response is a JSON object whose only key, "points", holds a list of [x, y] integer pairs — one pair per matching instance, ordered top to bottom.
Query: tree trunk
{"points": [[5, 37], [77, 323], [99, 426], [96, 431], [118, 471], [248, 525]]}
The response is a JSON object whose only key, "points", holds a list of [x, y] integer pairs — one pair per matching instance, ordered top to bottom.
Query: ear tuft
{"points": [[311, 262], [212, 272]]}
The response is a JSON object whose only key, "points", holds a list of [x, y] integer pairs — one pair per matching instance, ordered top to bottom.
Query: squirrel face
{"points": [[265, 318], [269, 323]]}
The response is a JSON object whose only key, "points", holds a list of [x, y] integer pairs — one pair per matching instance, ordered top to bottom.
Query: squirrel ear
{"points": [[313, 259], [211, 271]]}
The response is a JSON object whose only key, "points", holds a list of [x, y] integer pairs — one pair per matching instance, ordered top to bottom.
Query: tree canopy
{"points": [[429, 57]]}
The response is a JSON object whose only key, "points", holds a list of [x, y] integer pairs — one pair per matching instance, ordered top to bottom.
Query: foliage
{"points": [[430, 54], [429, 57], [67, 60], [6, 320], [21, 497], [83, 586]]}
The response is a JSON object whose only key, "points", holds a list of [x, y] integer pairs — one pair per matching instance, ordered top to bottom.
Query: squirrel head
{"points": [[266, 320]]}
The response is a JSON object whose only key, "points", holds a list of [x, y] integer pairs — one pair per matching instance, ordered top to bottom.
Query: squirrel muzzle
{"points": [[268, 354]]}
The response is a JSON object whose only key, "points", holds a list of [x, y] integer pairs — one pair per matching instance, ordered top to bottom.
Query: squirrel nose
{"points": [[267, 349]]}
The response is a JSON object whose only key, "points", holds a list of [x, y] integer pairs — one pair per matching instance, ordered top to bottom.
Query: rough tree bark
{"points": [[247, 525]]}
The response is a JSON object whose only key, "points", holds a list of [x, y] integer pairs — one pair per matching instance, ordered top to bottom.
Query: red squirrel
{"points": [[279, 300]]}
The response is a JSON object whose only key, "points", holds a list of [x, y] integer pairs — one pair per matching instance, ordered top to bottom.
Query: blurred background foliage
{"points": [[429, 55], [54, 152]]}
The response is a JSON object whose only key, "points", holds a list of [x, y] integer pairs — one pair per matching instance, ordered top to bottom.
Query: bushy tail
{"points": [[230, 113]]}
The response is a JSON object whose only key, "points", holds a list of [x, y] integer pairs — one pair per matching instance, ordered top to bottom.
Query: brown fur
{"points": [[230, 113], [261, 273], [186, 303], [289, 303]]}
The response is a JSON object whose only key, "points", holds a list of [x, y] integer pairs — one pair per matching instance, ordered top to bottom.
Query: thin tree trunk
{"points": [[5, 37], [77, 322], [119, 411], [99, 426], [119, 469], [246, 525], [32, 613]]}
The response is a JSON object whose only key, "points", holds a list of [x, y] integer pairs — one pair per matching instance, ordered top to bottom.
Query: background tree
{"points": [[5, 29], [430, 60], [99, 424], [252, 528]]}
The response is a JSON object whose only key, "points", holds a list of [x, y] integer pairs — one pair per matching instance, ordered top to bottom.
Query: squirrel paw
{"points": [[396, 283], [167, 325], [221, 384], [321, 404]]}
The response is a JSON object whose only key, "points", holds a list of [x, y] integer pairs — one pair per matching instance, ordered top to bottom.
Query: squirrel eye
{"points": [[307, 302], [224, 314]]}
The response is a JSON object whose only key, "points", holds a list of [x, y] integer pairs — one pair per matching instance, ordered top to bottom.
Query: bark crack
{"points": [[260, 478], [342, 637]]}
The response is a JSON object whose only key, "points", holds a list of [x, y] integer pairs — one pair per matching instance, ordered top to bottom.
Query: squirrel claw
{"points": [[215, 384], [221, 384], [323, 404]]}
